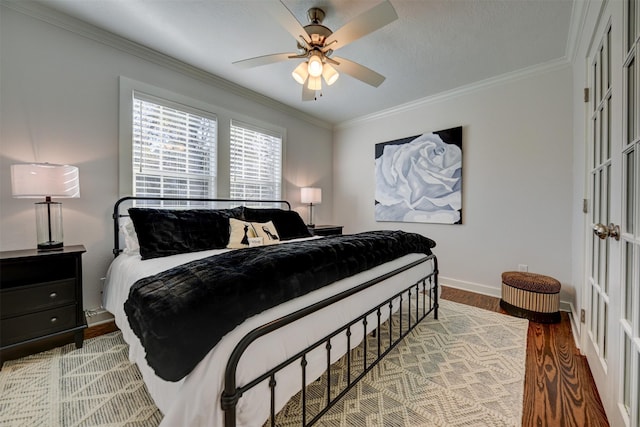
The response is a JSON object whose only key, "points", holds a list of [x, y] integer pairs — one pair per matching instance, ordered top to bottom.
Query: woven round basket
{"points": [[531, 296]]}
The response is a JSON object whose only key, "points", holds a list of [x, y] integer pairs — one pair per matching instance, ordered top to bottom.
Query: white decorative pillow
{"points": [[267, 231], [239, 233], [132, 246]]}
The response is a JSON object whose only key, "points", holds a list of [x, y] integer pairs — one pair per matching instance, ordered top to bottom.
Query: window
{"points": [[170, 145], [174, 149], [255, 162]]}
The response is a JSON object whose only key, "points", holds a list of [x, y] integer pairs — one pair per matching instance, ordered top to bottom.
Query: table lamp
{"points": [[36, 180], [311, 195]]}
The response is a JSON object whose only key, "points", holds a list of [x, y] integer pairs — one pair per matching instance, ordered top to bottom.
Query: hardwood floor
{"points": [[558, 388]]}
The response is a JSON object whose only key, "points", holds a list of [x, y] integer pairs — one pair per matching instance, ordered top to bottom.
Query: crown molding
{"points": [[579, 11], [46, 14], [546, 67]]}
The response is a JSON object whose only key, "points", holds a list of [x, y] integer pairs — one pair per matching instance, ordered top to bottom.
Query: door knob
{"points": [[602, 231]]}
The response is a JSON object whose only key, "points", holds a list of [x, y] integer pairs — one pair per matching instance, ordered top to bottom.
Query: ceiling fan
{"points": [[316, 44]]}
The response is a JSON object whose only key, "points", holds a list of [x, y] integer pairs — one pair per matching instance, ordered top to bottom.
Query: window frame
{"points": [[127, 86]]}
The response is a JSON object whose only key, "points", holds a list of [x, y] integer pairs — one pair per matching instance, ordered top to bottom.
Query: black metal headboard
{"points": [[117, 215]]}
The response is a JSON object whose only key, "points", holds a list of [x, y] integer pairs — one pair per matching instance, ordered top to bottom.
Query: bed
{"points": [[289, 335]]}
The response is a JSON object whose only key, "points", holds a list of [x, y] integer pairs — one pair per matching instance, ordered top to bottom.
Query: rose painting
{"points": [[419, 179]]}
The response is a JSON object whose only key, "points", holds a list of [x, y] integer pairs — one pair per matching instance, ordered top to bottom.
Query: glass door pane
{"points": [[600, 194], [629, 399]]}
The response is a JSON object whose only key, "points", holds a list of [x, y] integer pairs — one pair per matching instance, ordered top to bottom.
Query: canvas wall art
{"points": [[419, 178]]}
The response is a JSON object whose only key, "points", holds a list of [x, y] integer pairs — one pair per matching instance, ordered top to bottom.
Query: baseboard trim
{"points": [[470, 286], [491, 291], [98, 316], [576, 329]]}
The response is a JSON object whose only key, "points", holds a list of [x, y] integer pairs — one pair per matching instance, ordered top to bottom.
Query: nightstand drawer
{"points": [[41, 296], [20, 328]]}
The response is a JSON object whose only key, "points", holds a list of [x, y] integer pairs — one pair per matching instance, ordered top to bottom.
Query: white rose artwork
{"points": [[419, 179]]}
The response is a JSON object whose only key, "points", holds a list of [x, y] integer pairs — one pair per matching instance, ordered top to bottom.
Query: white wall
{"points": [[59, 104], [517, 177]]}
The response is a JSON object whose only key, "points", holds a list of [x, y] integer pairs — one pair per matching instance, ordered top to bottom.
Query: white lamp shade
{"points": [[315, 66], [300, 73], [330, 74], [314, 83], [34, 180], [311, 195]]}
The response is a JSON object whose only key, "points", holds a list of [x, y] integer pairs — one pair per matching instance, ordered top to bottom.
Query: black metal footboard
{"points": [[412, 305]]}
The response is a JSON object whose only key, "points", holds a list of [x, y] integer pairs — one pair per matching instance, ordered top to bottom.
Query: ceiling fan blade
{"points": [[286, 19], [368, 22], [263, 60], [359, 72], [308, 94]]}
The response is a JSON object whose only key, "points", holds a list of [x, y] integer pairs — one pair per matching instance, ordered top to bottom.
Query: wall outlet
{"points": [[523, 267]]}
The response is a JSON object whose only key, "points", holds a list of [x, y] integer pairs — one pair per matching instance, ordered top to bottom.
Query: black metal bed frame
{"points": [[424, 293]]}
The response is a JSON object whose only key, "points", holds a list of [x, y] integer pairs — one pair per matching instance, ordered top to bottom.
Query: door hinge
{"points": [[586, 94], [585, 206], [583, 316]]}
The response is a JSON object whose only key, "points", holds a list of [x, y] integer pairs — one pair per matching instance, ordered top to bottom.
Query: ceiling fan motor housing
{"points": [[317, 32]]}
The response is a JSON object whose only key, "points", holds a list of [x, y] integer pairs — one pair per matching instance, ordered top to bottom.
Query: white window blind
{"points": [[174, 149], [256, 162]]}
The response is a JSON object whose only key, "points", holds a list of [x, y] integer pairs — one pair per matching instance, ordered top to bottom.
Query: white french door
{"points": [[612, 289], [599, 298], [628, 401]]}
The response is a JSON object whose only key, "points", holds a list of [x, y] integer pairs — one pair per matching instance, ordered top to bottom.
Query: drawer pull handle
{"points": [[53, 295], [54, 320]]}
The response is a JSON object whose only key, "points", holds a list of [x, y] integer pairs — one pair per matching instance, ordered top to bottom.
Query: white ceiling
{"points": [[434, 45]]}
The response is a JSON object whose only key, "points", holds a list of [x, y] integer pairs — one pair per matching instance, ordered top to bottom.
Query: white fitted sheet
{"points": [[195, 400]]}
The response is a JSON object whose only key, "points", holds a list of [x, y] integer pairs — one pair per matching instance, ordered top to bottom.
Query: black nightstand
{"points": [[325, 230], [40, 298]]}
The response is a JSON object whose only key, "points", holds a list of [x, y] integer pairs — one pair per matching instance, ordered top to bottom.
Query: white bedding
{"points": [[195, 400]]}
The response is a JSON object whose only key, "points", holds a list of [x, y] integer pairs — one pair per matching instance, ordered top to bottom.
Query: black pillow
{"points": [[237, 212], [288, 223], [163, 232]]}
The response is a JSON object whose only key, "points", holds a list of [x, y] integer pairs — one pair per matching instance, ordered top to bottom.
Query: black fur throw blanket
{"points": [[180, 314]]}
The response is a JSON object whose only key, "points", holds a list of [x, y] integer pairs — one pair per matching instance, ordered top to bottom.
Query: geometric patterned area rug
{"points": [[465, 369], [95, 385]]}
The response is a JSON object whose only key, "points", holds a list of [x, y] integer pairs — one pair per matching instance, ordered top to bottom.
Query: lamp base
{"points": [[49, 225], [50, 246]]}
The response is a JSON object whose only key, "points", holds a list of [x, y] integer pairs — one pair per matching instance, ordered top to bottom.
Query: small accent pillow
{"points": [[288, 223], [267, 231], [239, 233]]}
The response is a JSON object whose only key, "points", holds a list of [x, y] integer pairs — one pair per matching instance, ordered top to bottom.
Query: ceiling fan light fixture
{"points": [[315, 65], [300, 73], [330, 74], [314, 83]]}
